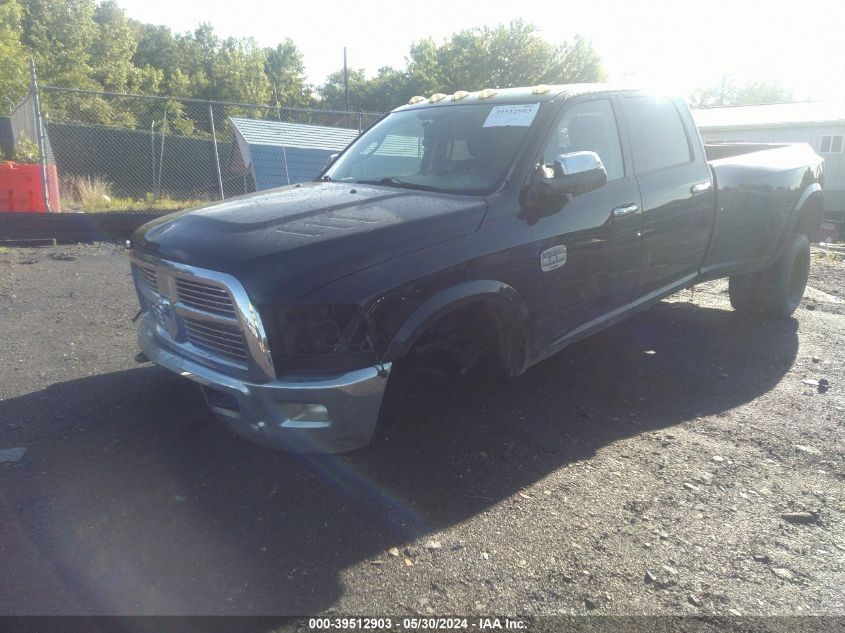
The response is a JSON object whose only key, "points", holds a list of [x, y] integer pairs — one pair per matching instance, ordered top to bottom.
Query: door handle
{"points": [[701, 187], [624, 210]]}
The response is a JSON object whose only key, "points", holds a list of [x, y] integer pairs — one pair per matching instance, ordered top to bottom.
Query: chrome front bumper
{"points": [[257, 410]]}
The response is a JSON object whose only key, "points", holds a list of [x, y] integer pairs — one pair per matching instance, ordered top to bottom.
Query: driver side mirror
{"points": [[579, 172], [572, 174]]}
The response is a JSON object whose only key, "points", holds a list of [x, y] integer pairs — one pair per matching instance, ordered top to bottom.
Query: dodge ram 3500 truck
{"points": [[511, 222]]}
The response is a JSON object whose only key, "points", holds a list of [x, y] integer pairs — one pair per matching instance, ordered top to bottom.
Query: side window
{"points": [[588, 126], [657, 133], [831, 145], [824, 146]]}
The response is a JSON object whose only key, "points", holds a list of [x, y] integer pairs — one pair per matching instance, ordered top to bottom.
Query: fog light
{"points": [[219, 400], [306, 414]]}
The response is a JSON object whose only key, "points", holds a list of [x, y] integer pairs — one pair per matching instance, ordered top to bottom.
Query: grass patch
{"points": [[92, 194], [131, 204]]}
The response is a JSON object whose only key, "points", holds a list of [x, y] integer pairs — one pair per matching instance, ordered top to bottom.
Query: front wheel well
{"points": [[469, 332]]}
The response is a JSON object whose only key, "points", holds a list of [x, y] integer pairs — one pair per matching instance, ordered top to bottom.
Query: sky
{"points": [[673, 47]]}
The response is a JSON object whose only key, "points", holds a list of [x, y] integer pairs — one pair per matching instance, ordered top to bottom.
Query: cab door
{"points": [[678, 196], [590, 249]]}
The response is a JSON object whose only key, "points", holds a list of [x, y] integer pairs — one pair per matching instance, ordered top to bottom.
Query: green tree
{"points": [[60, 35], [80, 44], [155, 46], [112, 50], [504, 56], [497, 58], [472, 59], [195, 60], [575, 62], [199, 64], [423, 67], [285, 70], [237, 72], [14, 79], [332, 91], [382, 92], [731, 93], [377, 94]]}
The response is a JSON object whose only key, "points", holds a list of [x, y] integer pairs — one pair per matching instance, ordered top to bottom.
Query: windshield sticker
{"points": [[517, 115]]}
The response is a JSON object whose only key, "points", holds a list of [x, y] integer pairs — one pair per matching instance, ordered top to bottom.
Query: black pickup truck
{"points": [[502, 222]]}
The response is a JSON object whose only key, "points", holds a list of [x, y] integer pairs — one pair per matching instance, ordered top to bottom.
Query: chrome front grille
{"points": [[147, 276], [205, 296], [204, 315], [218, 338]]}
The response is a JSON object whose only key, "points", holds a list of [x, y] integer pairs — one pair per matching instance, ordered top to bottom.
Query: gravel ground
{"points": [[647, 470]]}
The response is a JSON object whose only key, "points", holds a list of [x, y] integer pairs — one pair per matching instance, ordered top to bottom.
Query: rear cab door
{"points": [[678, 197]]}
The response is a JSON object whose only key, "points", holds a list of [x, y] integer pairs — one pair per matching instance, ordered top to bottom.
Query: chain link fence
{"points": [[14, 85], [14, 88], [128, 152]]}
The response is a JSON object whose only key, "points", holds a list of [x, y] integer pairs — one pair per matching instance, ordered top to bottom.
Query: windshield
{"points": [[461, 149]]}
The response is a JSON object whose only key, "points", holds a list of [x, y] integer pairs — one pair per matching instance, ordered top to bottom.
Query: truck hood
{"points": [[283, 243]]}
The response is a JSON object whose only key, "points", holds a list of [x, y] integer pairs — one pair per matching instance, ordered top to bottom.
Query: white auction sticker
{"points": [[518, 115]]}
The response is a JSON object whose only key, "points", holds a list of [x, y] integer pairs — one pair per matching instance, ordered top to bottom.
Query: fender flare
{"points": [[811, 189], [810, 193], [453, 298]]}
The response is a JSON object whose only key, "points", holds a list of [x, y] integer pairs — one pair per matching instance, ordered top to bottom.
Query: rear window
{"points": [[657, 133]]}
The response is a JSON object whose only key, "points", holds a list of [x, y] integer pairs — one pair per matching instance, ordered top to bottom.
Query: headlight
{"points": [[319, 335]]}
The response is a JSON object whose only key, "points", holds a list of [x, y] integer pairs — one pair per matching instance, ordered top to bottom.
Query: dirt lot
{"points": [[646, 470]]}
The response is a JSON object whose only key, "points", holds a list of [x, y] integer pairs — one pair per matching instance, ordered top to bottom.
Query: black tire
{"points": [[786, 279], [742, 290], [778, 290]]}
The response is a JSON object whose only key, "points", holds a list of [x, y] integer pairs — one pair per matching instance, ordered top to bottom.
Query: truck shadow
{"points": [[144, 504]]}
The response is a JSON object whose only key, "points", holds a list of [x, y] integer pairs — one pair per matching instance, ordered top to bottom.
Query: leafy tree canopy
{"points": [[94, 46], [489, 57], [14, 79], [732, 93]]}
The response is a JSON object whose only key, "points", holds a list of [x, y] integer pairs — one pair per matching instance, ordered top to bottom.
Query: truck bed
{"points": [[718, 151], [758, 187]]}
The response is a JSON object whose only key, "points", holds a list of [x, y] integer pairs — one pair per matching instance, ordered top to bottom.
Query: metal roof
{"points": [[516, 95], [772, 115], [279, 134]]}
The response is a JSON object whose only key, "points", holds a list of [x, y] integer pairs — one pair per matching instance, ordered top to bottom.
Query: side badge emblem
{"points": [[553, 258]]}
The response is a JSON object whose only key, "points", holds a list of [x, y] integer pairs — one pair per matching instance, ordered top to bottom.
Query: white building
{"points": [[821, 124]]}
